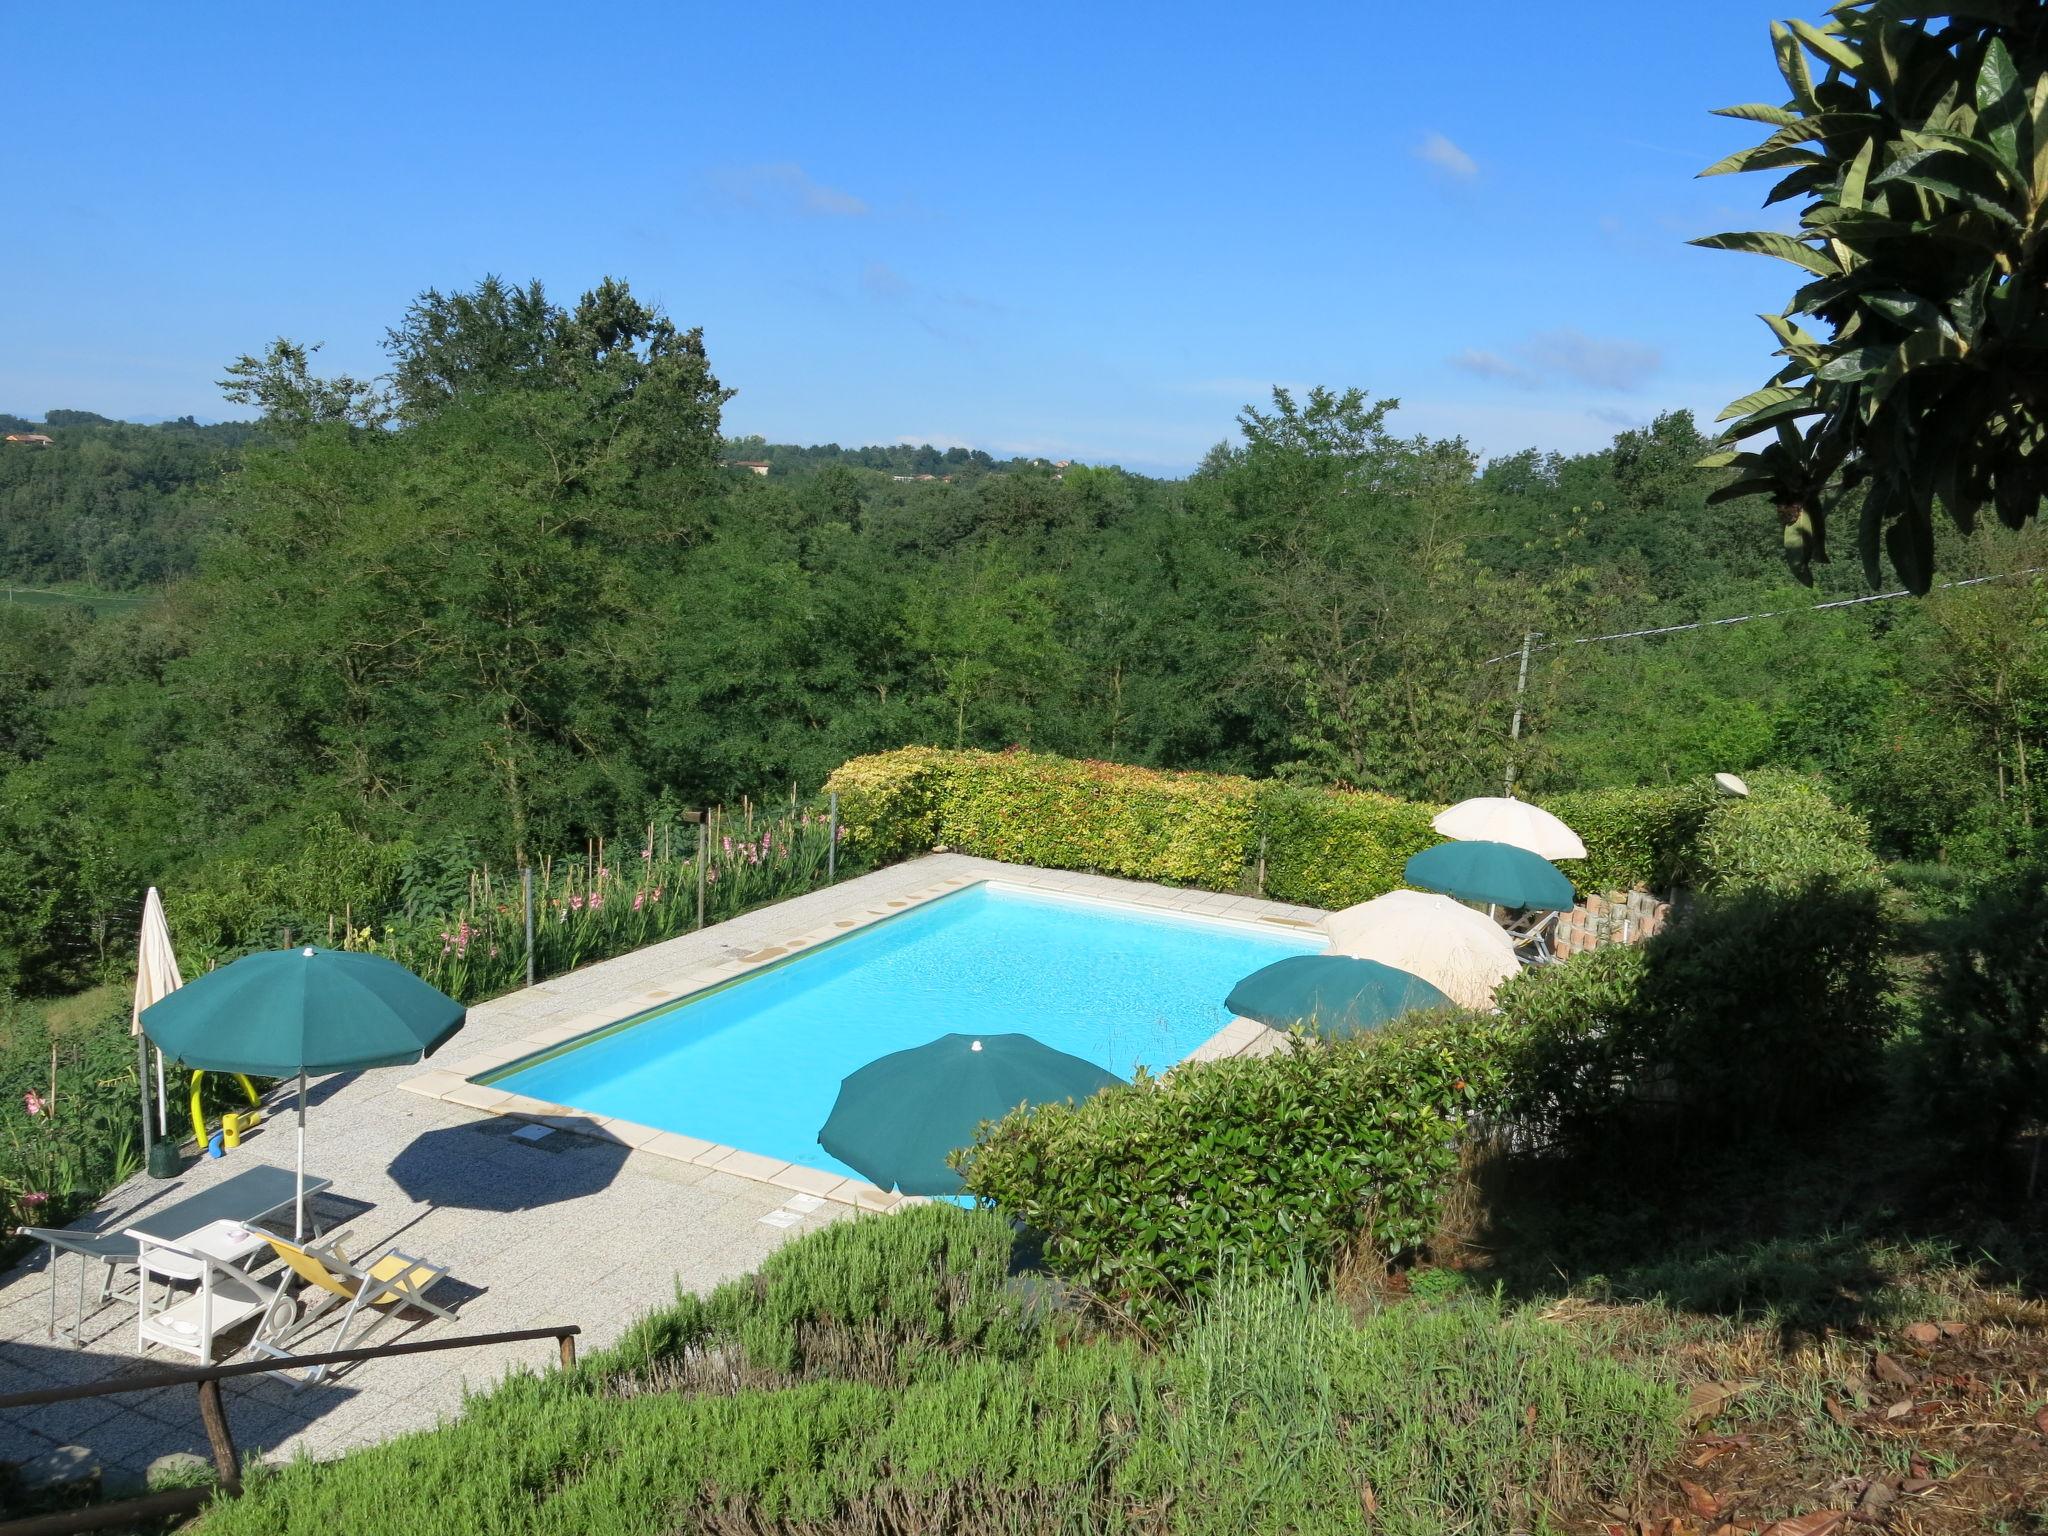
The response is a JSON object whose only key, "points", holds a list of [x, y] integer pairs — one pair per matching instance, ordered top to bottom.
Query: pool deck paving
{"points": [[540, 1215]]}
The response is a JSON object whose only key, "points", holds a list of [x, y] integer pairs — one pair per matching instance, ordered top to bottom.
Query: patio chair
{"points": [[1531, 931], [255, 1194], [386, 1285]]}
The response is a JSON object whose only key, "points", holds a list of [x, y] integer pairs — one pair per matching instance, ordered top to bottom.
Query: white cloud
{"points": [[1442, 155], [787, 187], [882, 281], [1568, 356], [1596, 361], [1491, 365]]}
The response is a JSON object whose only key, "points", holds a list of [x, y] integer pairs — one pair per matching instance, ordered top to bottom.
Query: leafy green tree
{"points": [[1920, 159], [986, 630]]}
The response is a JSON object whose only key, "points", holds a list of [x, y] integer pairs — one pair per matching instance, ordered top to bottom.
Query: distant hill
{"points": [[895, 459], [111, 504]]}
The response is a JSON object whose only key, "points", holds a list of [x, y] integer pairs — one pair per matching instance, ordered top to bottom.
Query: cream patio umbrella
{"points": [[1495, 819], [1463, 953], [156, 977]]}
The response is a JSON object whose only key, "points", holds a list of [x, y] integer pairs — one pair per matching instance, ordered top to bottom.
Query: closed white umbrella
{"points": [[1494, 819], [1464, 954], [156, 978]]}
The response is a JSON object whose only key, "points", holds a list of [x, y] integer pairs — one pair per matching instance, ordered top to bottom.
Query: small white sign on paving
{"points": [[782, 1218]]}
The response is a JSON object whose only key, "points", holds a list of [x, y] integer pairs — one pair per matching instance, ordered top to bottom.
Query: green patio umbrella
{"points": [[1499, 873], [1334, 995], [300, 1012], [898, 1116]]}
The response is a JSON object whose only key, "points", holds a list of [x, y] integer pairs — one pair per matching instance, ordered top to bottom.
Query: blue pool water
{"points": [[757, 1064]]}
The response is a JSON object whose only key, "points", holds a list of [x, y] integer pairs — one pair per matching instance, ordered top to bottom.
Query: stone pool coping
{"points": [[707, 959]]}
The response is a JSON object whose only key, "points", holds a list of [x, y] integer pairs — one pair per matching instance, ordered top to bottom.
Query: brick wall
{"points": [[1619, 917]]}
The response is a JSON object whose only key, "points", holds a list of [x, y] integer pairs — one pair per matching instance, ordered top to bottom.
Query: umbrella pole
{"points": [[142, 1072], [163, 1117], [299, 1206]]}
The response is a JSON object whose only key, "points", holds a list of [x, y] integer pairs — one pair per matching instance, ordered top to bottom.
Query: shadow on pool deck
{"points": [[440, 1167]]}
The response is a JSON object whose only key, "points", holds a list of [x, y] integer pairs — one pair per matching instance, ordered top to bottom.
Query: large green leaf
{"points": [[1828, 46], [1792, 63], [2001, 103], [1759, 112], [1770, 242], [1857, 363], [1771, 394]]}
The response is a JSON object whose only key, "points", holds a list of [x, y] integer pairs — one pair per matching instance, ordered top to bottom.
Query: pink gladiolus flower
{"points": [[728, 847], [646, 854], [657, 893], [638, 898], [596, 901], [575, 903], [32, 1102], [34, 1197]]}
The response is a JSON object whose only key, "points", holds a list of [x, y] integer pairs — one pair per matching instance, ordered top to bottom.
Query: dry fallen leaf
{"points": [[1953, 1330], [1923, 1333], [1889, 1370], [1710, 1397], [1899, 1409], [1836, 1411], [2041, 1421], [1918, 1484], [1703, 1503], [1819, 1523]]}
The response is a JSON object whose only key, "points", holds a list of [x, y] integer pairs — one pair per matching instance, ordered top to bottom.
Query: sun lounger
{"points": [[1530, 931], [250, 1196], [387, 1284]]}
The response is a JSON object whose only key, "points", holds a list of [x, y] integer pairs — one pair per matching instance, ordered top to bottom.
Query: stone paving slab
{"points": [[595, 1225]]}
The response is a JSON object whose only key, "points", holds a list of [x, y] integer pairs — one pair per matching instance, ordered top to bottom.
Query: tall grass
{"points": [[607, 901], [1272, 1411]]}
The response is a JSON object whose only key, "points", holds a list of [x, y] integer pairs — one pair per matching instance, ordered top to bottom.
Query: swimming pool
{"points": [[756, 1062]]}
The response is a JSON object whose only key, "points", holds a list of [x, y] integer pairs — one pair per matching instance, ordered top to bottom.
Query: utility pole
{"points": [[1515, 731]]}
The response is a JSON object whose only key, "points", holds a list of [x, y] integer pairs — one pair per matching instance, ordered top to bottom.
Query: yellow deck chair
{"points": [[386, 1284]]}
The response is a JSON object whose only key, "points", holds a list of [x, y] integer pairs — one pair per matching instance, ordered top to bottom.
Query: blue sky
{"points": [[1089, 232]]}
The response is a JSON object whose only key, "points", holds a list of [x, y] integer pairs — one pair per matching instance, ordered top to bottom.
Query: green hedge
{"points": [[1179, 828], [1324, 848], [1333, 848], [1752, 1013], [1140, 1191]]}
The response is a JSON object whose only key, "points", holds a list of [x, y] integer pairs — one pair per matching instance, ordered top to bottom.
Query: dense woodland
{"points": [[514, 595]]}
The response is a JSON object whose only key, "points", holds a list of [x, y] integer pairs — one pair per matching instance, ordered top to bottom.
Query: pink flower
{"points": [[728, 847], [646, 854], [657, 893], [638, 897], [596, 901], [575, 903], [32, 1102], [34, 1197]]}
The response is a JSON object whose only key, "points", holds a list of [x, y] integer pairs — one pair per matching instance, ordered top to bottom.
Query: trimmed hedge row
{"points": [[1322, 847], [1144, 1192]]}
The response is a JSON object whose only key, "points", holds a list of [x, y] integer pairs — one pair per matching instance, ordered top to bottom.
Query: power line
{"points": [[1744, 618]]}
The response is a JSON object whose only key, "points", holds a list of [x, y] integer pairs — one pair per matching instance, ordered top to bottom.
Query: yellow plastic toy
{"points": [[230, 1133]]}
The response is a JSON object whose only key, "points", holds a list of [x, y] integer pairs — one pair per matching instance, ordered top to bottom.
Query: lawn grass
{"points": [[73, 596]]}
